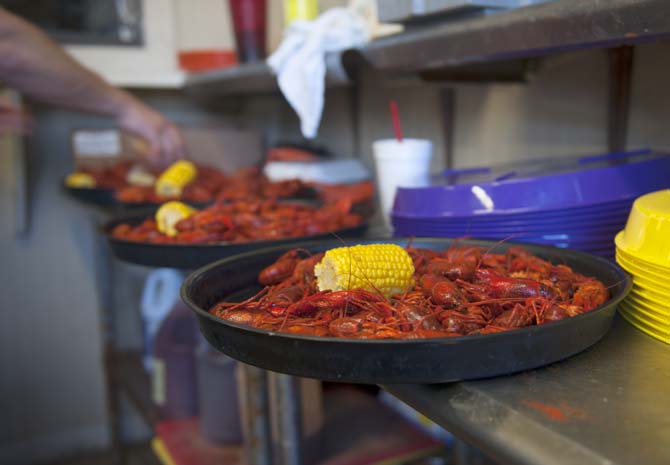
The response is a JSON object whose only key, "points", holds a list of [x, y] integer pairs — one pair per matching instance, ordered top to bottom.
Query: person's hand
{"points": [[14, 119], [164, 142]]}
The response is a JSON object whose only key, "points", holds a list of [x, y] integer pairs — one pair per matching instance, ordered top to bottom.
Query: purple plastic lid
{"points": [[531, 187], [557, 220], [611, 229]]}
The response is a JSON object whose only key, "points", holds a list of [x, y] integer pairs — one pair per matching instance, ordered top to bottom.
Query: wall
{"points": [[152, 65], [562, 110], [52, 395], [53, 402]]}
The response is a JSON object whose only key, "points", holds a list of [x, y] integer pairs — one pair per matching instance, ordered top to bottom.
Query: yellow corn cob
{"points": [[80, 180], [173, 180], [171, 213], [385, 268]]}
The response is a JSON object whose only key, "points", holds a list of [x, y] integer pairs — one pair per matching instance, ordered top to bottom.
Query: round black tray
{"points": [[92, 196], [106, 199], [191, 256], [396, 361]]}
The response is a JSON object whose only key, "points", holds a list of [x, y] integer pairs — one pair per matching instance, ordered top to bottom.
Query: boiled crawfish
{"points": [[457, 292]]}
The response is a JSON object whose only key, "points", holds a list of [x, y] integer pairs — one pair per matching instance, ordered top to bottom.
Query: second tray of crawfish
{"points": [[191, 256], [397, 361]]}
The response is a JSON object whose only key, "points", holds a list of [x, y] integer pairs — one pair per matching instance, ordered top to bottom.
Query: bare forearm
{"points": [[33, 64], [36, 66]]}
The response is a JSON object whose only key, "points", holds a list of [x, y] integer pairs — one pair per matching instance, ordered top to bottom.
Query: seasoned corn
{"points": [[80, 180], [173, 180], [171, 213], [385, 268]]}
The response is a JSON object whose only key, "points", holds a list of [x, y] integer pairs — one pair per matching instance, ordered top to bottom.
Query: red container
{"points": [[249, 24], [197, 61]]}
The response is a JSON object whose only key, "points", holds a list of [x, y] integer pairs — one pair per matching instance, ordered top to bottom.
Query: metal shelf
{"points": [[533, 31], [473, 49], [248, 78], [253, 79], [600, 406]]}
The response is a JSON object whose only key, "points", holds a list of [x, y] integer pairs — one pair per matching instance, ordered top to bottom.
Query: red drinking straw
{"points": [[395, 118]]}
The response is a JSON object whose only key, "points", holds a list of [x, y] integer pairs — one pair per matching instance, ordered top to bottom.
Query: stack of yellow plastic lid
{"points": [[643, 250]]}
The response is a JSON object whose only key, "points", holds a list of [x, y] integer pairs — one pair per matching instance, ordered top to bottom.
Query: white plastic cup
{"points": [[400, 164]]}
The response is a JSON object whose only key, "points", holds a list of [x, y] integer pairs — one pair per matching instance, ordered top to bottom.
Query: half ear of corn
{"points": [[80, 180], [173, 180], [171, 213], [385, 268]]}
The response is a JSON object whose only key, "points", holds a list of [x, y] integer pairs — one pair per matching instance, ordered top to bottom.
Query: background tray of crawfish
{"points": [[191, 256], [390, 361]]}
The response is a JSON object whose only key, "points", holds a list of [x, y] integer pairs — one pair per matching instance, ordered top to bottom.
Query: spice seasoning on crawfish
{"points": [[246, 220], [457, 292]]}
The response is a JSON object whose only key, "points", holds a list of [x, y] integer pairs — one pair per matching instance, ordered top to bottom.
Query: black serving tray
{"points": [[191, 256], [397, 361]]}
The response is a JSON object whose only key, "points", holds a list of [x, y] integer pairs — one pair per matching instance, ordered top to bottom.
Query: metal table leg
{"points": [[286, 415], [255, 418]]}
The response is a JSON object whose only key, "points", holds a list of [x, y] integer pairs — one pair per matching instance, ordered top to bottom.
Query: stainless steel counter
{"points": [[607, 405]]}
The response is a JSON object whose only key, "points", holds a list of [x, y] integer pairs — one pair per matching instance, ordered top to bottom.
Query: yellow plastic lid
{"points": [[647, 232], [658, 269], [647, 276], [645, 282], [652, 298], [644, 309], [640, 318], [644, 327]]}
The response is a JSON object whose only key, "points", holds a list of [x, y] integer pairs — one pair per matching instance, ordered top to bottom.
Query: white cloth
{"points": [[300, 60]]}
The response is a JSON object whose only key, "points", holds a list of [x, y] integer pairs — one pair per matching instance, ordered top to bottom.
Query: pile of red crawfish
{"points": [[212, 184], [209, 185], [204, 188], [261, 215], [244, 221], [457, 292]]}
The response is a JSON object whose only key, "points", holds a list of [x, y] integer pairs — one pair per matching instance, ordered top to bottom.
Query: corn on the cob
{"points": [[80, 180], [173, 180], [171, 213], [385, 268]]}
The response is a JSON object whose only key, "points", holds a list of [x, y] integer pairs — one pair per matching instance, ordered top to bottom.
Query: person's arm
{"points": [[33, 64]]}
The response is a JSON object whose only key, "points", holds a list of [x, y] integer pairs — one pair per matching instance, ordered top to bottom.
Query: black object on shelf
{"points": [[419, 361]]}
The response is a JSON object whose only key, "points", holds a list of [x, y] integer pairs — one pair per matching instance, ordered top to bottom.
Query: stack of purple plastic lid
{"points": [[579, 203]]}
